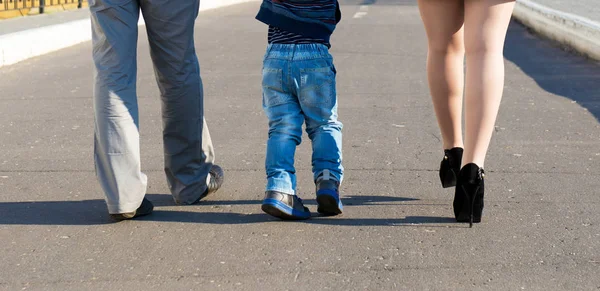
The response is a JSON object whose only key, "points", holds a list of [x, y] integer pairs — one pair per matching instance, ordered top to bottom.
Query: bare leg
{"points": [[443, 20], [486, 23]]}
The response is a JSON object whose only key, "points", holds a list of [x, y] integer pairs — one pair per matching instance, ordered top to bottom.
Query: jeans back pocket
{"points": [[272, 85], [317, 86]]}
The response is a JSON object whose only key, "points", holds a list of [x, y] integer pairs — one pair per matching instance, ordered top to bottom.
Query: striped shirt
{"points": [[315, 19], [279, 36]]}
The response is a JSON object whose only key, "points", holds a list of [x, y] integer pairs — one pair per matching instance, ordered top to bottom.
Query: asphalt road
{"points": [[541, 228]]}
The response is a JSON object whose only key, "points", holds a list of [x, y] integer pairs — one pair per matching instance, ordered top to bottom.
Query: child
{"points": [[299, 86]]}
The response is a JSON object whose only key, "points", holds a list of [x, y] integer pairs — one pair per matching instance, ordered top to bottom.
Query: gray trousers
{"points": [[188, 151]]}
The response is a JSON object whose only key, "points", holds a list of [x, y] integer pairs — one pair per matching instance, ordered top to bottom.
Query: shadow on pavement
{"points": [[555, 70], [166, 200], [86, 212], [93, 212], [238, 218], [408, 221]]}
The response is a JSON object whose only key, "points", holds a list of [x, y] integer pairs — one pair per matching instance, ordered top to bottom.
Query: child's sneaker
{"points": [[328, 195], [284, 206]]}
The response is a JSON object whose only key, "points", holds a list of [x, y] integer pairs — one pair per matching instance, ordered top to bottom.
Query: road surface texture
{"points": [[541, 228]]}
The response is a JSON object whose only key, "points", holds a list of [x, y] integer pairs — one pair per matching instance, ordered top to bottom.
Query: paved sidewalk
{"points": [[587, 8], [36, 21], [566, 27], [32, 36], [541, 228]]}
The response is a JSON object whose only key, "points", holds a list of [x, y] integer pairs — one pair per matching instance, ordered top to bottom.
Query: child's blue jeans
{"points": [[298, 87]]}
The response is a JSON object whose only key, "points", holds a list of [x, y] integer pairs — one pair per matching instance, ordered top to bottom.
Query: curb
{"points": [[577, 32], [22, 45]]}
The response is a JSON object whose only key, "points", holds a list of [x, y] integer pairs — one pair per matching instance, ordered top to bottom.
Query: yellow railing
{"points": [[15, 8]]}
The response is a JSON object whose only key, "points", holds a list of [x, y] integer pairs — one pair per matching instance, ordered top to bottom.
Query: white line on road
{"points": [[362, 11], [360, 14]]}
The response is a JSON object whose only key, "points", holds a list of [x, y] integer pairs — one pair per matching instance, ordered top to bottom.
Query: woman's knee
{"points": [[447, 46], [482, 46]]}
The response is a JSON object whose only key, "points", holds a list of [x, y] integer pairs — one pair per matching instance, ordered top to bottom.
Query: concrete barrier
{"points": [[577, 32], [22, 45]]}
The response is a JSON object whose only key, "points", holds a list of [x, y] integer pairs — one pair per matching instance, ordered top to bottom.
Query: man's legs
{"points": [[117, 148], [188, 149]]}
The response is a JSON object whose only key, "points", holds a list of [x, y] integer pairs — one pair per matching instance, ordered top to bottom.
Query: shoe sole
{"points": [[328, 204], [280, 210], [138, 213], [121, 217], [465, 217]]}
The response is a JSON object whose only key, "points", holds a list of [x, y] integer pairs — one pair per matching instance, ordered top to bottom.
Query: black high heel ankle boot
{"points": [[450, 167], [468, 198]]}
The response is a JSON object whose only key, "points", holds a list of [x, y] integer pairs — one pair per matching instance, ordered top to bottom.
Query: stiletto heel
{"points": [[450, 166], [468, 198], [471, 204], [471, 221]]}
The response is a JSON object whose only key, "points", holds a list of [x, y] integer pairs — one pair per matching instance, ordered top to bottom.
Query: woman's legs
{"points": [[443, 20], [486, 23]]}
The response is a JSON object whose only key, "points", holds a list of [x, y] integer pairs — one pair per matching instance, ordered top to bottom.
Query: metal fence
{"points": [[12, 5]]}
